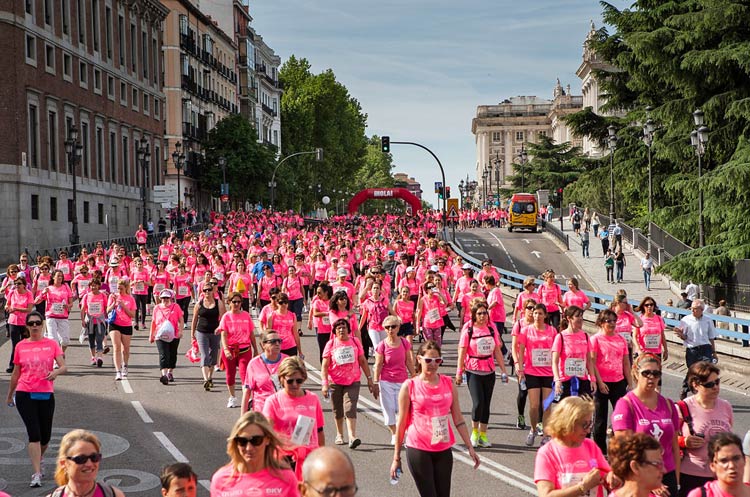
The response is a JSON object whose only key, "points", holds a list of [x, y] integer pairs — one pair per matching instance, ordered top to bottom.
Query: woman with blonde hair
{"points": [[253, 449], [78, 466]]}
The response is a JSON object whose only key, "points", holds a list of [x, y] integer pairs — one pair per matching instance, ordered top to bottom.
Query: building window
{"points": [[47, 4], [29, 6], [80, 10], [65, 17], [95, 24], [183, 24], [108, 31], [121, 36], [133, 47], [31, 50], [144, 55], [49, 58], [155, 61], [67, 67], [83, 74], [97, 81], [110, 87], [123, 94], [134, 100], [146, 105], [156, 107], [542, 133], [33, 135], [496, 136], [519, 136], [52, 139], [99, 144], [86, 152], [112, 157], [125, 161], [156, 161], [34, 206], [53, 208], [70, 210], [85, 211], [100, 213], [114, 216]]}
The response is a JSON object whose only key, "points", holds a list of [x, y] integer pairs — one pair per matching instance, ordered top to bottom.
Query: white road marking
{"points": [[527, 240], [483, 254], [507, 254], [537, 254], [126, 386], [141, 411], [167, 443], [483, 467], [205, 484]]}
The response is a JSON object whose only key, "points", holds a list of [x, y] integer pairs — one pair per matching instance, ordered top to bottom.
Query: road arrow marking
{"points": [[537, 254]]}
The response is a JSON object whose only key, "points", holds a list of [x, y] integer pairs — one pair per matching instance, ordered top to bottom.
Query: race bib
{"points": [[65, 270], [219, 275], [83, 284], [41, 285], [140, 286], [158, 288], [182, 291], [58, 308], [95, 308], [433, 315], [326, 321], [626, 335], [652, 341], [485, 345], [344, 355], [541, 358], [575, 366], [303, 430], [440, 433], [568, 480]]}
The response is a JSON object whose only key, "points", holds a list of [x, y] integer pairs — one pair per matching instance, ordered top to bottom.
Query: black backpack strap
{"points": [[107, 489]]}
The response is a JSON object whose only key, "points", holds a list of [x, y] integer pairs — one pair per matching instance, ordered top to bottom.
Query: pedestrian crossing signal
{"points": [[385, 144]]}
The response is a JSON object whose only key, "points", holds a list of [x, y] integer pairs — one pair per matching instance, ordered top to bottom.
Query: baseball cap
{"points": [[391, 252], [466, 266], [342, 272]]}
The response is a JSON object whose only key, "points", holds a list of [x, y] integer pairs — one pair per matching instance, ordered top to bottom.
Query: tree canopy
{"points": [[550, 166]]}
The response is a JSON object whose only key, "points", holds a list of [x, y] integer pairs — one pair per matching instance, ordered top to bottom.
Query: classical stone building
{"points": [[95, 65], [409, 183]]}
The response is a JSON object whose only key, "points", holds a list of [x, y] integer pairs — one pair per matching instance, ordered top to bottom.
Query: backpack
{"points": [[166, 331], [471, 334], [107, 489]]}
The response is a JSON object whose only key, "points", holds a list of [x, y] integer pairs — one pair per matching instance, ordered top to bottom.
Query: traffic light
{"points": [[385, 143], [447, 192], [440, 193]]}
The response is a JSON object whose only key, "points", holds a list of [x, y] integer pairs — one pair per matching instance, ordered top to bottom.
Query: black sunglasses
{"points": [[236, 302], [33, 323], [391, 327], [273, 341], [653, 373], [298, 381], [711, 384], [255, 440], [95, 457]]}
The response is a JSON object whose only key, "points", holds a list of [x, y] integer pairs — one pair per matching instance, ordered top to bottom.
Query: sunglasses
{"points": [[19, 284], [238, 302], [283, 302], [651, 304], [530, 308], [482, 313], [610, 321], [33, 323], [391, 327], [273, 341], [428, 360], [651, 373], [292, 381], [711, 384], [587, 425], [255, 440], [95, 457]]}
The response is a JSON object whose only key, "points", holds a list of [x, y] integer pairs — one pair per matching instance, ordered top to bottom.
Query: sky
{"points": [[420, 68]]}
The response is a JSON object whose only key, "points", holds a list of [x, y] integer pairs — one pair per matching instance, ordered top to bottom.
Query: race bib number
{"points": [[65, 270], [219, 275], [83, 284], [41, 285], [140, 286], [158, 288], [182, 291], [58, 308], [95, 308], [433, 315], [325, 320], [626, 335], [652, 341], [485, 346], [344, 355], [541, 358], [575, 366], [276, 382], [303, 430], [440, 433], [568, 480]]}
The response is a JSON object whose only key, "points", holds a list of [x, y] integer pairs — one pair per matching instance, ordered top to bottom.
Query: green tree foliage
{"points": [[676, 56], [317, 111], [249, 163], [550, 166], [375, 172]]}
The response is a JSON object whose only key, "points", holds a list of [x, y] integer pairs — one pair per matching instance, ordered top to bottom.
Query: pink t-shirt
{"points": [[140, 281], [182, 284], [293, 287], [549, 295], [57, 298], [522, 298], [575, 298], [18, 301], [127, 301], [95, 306], [404, 309], [377, 311], [173, 313], [497, 313], [264, 314], [431, 315], [334, 316], [323, 323], [284, 326], [624, 326], [239, 328], [650, 334], [480, 349], [573, 349], [609, 351], [343, 356], [537, 356], [36, 360], [394, 360], [262, 379], [285, 411], [709, 422], [661, 423], [430, 428], [565, 466], [228, 483], [712, 490]]}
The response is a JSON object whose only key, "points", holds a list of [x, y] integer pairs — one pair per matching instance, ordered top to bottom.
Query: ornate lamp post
{"points": [[648, 138], [698, 139], [612, 144], [75, 152], [523, 156], [144, 158], [179, 159], [499, 176], [489, 181], [225, 187], [484, 187], [461, 190]]}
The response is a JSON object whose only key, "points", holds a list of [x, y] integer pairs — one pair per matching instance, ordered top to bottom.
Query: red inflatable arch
{"points": [[384, 194]]}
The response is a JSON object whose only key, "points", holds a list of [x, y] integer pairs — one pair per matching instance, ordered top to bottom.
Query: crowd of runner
{"points": [[378, 293]]}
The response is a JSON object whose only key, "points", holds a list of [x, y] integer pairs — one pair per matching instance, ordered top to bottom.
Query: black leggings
{"points": [[185, 306], [140, 308], [16, 335], [323, 339], [167, 353], [480, 389], [617, 390], [521, 400], [37, 416], [431, 471]]}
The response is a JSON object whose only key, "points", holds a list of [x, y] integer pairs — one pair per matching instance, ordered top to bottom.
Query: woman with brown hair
{"points": [[637, 461]]}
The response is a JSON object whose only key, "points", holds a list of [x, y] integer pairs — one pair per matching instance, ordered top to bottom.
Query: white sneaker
{"points": [[124, 371], [118, 376], [232, 402], [393, 439], [36, 480]]}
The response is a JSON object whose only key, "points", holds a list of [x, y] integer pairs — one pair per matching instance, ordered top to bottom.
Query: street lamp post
{"points": [[648, 138], [698, 139], [612, 144], [75, 152], [523, 155], [144, 158], [178, 158], [498, 175], [272, 184], [489, 184], [224, 186], [484, 188], [461, 190]]}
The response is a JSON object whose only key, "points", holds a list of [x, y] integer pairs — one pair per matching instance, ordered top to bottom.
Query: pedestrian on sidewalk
{"points": [[586, 219], [595, 223], [617, 231], [584, 236], [604, 237], [609, 264], [620, 264], [647, 265], [698, 333]]}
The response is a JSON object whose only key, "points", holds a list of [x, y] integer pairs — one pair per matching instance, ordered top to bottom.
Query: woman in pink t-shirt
{"points": [[140, 280], [550, 294], [574, 296], [59, 299], [466, 299], [19, 302], [403, 307], [341, 308], [375, 309], [166, 314], [428, 315], [318, 318], [94, 319], [527, 319], [627, 320], [285, 323], [121, 330], [650, 337], [237, 343], [610, 353], [343, 359], [394, 363], [572, 363], [261, 378], [427, 404], [645, 410], [296, 413], [709, 415], [570, 458], [636, 460], [728, 464], [255, 465]]}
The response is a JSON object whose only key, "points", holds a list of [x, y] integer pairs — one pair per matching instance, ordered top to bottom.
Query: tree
{"points": [[249, 164], [550, 166]]}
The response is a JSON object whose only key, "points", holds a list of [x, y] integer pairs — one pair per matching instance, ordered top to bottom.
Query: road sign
{"points": [[438, 186], [225, 198], [452, 207]]}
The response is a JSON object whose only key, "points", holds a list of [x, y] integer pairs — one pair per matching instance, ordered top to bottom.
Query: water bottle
{"points": [[463, 378], [504, 378], [522, 384], [558, 396], [394, 481]]}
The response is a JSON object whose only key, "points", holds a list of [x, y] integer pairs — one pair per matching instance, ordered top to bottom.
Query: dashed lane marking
{"points": [[507, 254], [141, 411], [167, 443]]}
